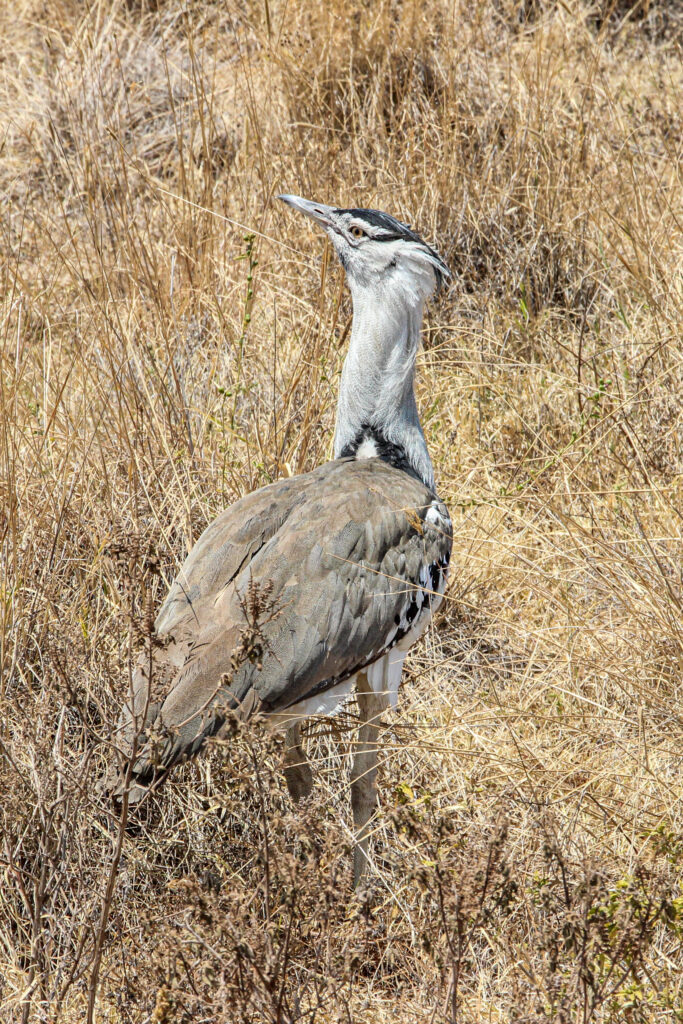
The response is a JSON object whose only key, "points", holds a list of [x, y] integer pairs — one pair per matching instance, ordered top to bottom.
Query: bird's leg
{"points": [[364, 771], [298, 774]]}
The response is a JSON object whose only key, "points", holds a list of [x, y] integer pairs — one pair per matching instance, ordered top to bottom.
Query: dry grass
{"points": [[155, 365]]}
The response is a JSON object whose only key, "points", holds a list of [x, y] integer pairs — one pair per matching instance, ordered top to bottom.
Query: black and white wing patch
{"points": [[423, 599]]}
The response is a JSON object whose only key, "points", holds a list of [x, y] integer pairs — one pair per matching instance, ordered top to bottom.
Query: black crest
{"points": [[390, 230]]}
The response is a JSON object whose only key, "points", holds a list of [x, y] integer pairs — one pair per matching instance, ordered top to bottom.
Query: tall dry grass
{"points": [[171, 339]]}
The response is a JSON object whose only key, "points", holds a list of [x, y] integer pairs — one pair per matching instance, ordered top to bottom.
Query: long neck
{"points": [[377, 413]]}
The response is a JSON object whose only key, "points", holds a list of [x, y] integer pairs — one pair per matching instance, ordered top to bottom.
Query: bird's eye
{"points": [[357, 232]]}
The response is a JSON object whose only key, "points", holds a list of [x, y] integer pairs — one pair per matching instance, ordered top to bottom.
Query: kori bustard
{"points": [[354, 555]]}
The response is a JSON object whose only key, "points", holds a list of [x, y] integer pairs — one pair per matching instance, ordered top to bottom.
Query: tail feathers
{"points": [[202, 681], [165, 741]]}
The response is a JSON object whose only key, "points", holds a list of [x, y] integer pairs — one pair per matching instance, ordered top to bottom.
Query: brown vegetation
{"points": [[172, 338]]}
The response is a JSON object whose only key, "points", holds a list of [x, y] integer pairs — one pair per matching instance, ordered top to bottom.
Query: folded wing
{"points": [[288, 593]]}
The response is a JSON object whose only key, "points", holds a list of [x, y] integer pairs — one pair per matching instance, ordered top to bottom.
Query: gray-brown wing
{"points": [[228, 544], [223, 549], [346, 572]]}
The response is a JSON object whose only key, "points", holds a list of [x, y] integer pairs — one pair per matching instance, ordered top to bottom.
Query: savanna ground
{"points": [[172, 338]]}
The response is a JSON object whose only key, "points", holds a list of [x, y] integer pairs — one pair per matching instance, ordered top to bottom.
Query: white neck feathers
{"points": [[376, 398]]}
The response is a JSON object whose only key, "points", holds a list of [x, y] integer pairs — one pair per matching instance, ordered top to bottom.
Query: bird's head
{"points": [[377, 251]]}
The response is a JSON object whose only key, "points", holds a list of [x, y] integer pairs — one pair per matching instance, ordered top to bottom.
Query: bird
{"points": [[316, 585]]}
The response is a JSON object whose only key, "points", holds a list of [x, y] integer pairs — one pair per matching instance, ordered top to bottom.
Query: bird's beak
{"points": [[317, 211]]}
